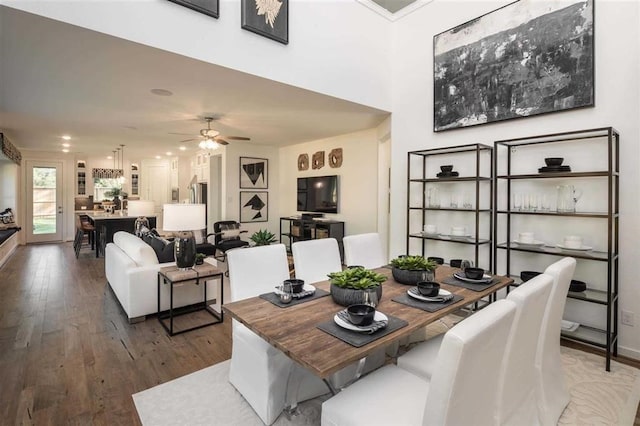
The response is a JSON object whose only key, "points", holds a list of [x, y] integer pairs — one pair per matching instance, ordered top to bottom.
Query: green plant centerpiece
{"points": [[116, 193], [263, 237], [200, 258], [411, 269], [348, 286]]}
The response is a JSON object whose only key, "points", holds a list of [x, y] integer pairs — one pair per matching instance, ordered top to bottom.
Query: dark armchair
{"points": [[226, 236]]}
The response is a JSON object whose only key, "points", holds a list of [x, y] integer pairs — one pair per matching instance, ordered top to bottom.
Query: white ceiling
{"points": [[58, 79]]}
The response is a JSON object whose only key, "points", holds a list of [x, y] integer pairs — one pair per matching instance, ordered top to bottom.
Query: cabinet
{"points": [[81, 178], [135, 183], [529, 199], [463, 201], [294, 229]]}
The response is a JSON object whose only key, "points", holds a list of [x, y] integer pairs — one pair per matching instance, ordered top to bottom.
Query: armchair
{"points": [[226, 236]]}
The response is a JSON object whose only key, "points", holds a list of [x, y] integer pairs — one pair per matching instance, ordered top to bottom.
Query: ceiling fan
{"points": [[211, 138]]}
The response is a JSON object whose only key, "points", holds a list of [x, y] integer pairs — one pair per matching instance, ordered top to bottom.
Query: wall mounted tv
{"points": [[318, 194]]}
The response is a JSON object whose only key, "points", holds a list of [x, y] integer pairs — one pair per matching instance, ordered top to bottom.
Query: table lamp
{"points": [[141, 209], [182, 218]]}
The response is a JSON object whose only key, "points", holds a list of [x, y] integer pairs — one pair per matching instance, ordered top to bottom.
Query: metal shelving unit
{"points": [[417, 184], [606, 338]]}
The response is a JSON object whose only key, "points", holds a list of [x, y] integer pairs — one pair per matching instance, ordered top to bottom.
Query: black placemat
{"points": [[471, 286], [275, 299], [405, 299], [358, 339]]}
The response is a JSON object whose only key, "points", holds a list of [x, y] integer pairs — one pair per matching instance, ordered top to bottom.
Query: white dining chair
{"points": [[364, 250], [313, 260], [259, 371], [463, 389], [517, 392], [553, 394]]}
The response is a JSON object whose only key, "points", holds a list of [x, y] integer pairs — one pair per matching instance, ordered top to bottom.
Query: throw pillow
{"points": [[230, 231], [199, 236], [163, 249]]}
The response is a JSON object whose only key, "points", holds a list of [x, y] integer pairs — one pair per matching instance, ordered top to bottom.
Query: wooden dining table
{"points": [[293, 329]]}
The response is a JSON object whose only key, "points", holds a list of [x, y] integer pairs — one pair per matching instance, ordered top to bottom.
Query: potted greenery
{"points": [[118, 195], [263, 237], [200, 258], [411, 269], [348, 286]]}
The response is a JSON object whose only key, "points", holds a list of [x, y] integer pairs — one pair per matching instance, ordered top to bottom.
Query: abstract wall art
{"points": [[208, 7], [269, 18], [526, 58], [254, 173], [254, 206]]}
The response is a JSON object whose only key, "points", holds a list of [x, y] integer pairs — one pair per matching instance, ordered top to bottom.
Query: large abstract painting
{"points": [[527, 58], [254, 173], [254, 206]]}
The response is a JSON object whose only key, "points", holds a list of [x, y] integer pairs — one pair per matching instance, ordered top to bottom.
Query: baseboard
{"points": [[633, 354]]}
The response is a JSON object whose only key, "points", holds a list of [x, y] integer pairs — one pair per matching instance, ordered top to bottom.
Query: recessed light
{"points": [[161, 92], [66, 137], [66, 145], [183, 148], [65, 150], [169, 153], [109, 157], [158, 157]]}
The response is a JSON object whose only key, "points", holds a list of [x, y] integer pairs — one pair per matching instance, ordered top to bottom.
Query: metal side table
{"points": [[198, 274]]}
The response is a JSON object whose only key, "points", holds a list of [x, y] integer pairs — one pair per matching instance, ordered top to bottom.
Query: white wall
{"points": [[336, 47], [616, 104], [358, 178]]}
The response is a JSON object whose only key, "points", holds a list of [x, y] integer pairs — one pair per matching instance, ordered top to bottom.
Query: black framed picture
{"points": [[208, 7], [269, 18], [524, 59], [254, 173], [254, 206]]}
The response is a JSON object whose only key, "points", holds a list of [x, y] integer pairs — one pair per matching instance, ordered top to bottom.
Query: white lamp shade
{"points": [[140, 208], [183, 217]]}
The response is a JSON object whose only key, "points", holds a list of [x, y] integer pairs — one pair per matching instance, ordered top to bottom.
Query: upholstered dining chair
{"points": [[364, 250], [313, 260], [258, 370], [462, 391], [517, 392], [553, 394]]}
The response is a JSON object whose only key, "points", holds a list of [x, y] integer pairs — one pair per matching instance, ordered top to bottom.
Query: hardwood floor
{"points": [[67, 352]]}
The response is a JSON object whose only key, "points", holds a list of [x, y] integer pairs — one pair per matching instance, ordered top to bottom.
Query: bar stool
{"points": [[83, 227]]}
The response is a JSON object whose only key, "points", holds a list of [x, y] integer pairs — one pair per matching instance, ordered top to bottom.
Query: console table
{"points": [[297, 229], [198, 274]]}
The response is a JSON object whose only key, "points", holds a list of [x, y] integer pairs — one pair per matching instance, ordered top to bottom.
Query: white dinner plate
{"points": [[429, 234], [455, 236], [535, 243], [583, 248], [485, 278], [305, 287], [443, 295], [379, 316]]}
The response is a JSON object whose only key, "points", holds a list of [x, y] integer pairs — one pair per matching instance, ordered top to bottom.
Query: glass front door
{"points": [[44, 202]]}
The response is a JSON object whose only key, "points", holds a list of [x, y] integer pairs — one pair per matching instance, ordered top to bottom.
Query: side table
{"points": [[198, 274]]}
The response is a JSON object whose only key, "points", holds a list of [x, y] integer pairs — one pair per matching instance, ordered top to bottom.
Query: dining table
{"points": [[294, 329]]}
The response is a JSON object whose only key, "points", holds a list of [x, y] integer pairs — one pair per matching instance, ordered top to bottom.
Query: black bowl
{"points": [[554, 161], [446, 169], [438, 260], [455, 263], [474, 273], [527, 275], [296, 284], [577, 286], [428, 288], [361, 314]]}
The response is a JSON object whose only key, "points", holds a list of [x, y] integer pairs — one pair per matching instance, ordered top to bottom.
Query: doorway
{"points": [[44, 201]]}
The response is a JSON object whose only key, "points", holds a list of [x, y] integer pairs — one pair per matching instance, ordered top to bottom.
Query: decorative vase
{"points": [[411, 277], [350, 296]]}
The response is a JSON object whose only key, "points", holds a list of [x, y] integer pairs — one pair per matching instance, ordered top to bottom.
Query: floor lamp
{"points": [[140, 209], [182, 218]]}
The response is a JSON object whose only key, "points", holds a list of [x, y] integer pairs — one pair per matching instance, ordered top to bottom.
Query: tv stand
{"points": [[294, 229]]}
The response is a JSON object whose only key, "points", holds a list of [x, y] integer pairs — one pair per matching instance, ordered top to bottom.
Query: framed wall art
{"points": [[208, 7], [269, 18], [526, 58], [254, 173], [254, 206]]}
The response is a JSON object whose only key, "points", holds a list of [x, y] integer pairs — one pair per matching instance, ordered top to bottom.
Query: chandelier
{"points": [[209, 143]]}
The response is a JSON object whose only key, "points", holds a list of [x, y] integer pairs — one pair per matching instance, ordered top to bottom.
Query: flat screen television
{"points": [[318, 194]]}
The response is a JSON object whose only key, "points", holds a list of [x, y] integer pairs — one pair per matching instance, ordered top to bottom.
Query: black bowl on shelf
{"points": [[554, 161], [446, 169], [438, 260], [455, 263], [474, 273], [527, 275], [296, 284], [577, 286], [361, 314]]}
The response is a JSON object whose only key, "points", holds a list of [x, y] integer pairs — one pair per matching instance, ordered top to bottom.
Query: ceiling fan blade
{"points": [[235, 138], [189, 140], [221, 141]]}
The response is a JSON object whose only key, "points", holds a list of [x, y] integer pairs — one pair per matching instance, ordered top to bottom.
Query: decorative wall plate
{"points": [[303, 162]]}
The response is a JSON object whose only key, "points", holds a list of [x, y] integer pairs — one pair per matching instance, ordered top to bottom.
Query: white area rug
{"points": [[206, 397]]}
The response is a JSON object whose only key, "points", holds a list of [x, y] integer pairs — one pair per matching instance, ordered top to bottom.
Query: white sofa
{"points": [[131, 267]]}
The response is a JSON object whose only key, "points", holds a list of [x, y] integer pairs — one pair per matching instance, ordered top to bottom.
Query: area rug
{"points": [[206, 397]]}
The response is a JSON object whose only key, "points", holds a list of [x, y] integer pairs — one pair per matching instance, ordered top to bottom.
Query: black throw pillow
{"points": [[163, 248]]}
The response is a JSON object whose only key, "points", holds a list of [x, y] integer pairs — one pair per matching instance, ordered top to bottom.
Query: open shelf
{"points": [[602, 256]]}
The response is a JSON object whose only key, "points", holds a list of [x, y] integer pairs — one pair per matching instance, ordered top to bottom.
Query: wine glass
{"points": [[370, 297]]}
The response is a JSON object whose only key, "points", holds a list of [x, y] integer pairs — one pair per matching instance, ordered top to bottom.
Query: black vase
{"points": [[185, 251]]}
